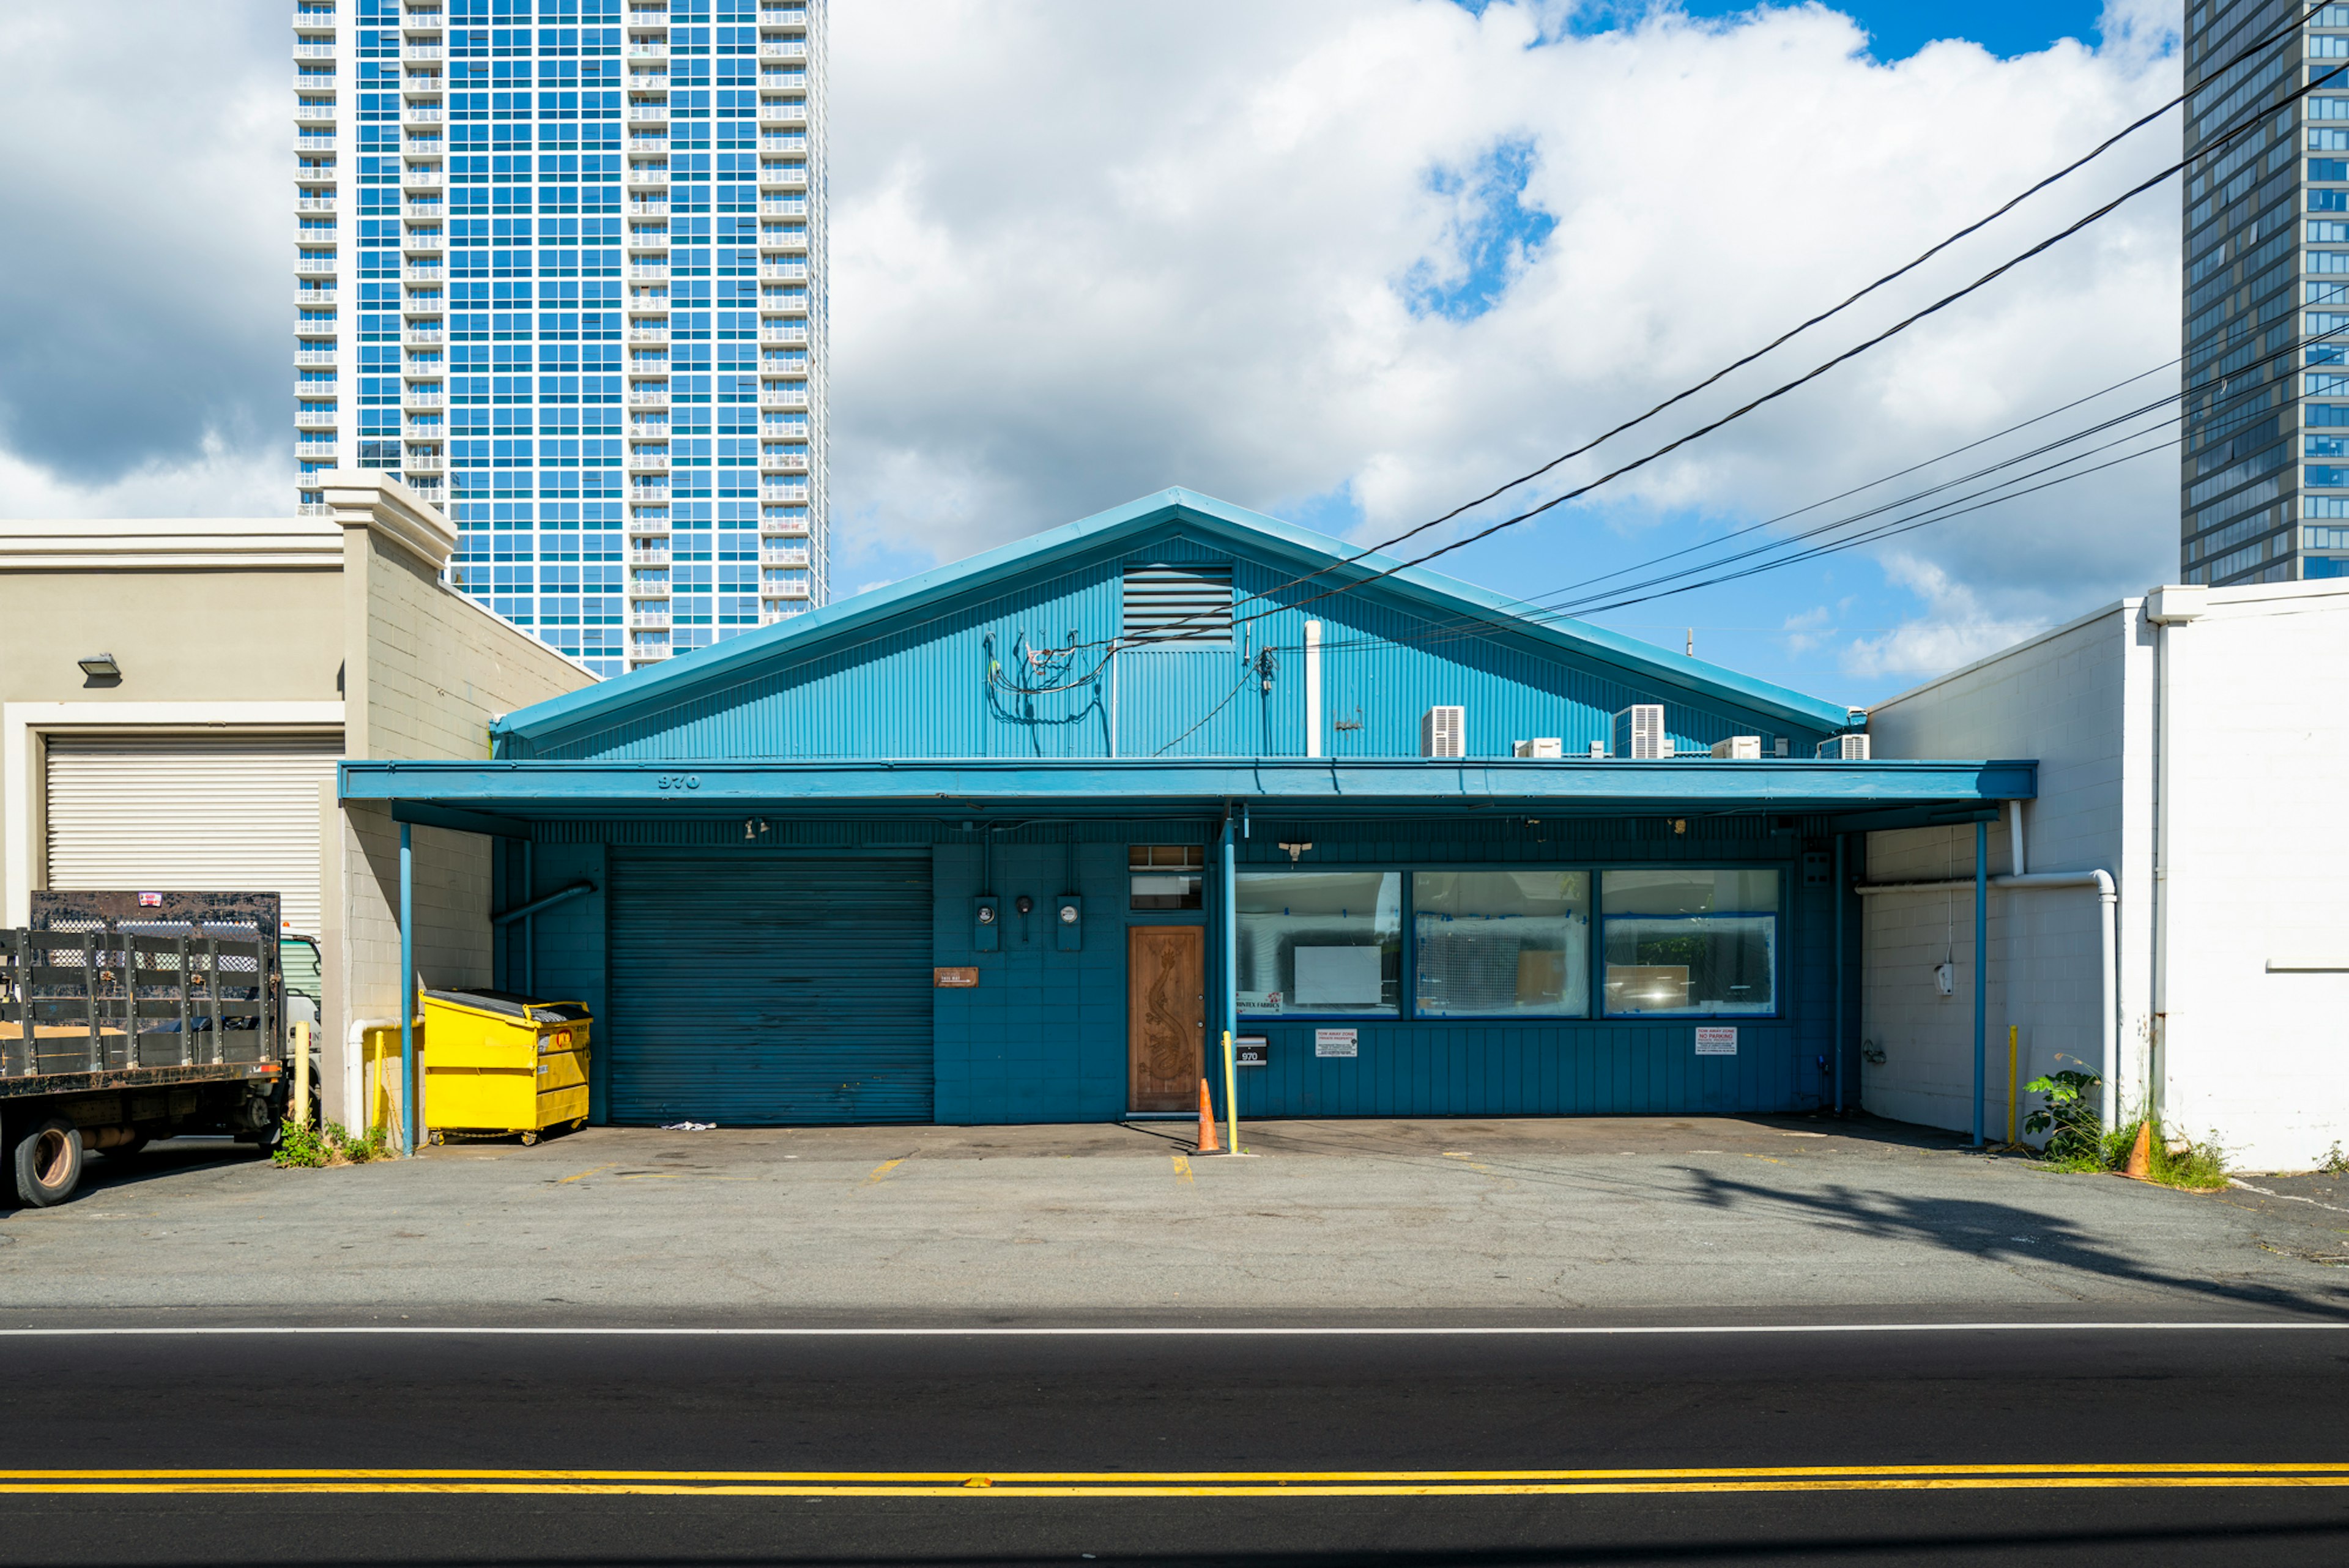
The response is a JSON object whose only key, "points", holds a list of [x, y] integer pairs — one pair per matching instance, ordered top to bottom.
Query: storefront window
{"points": [[1166, 876], [1321, 942], [1690, 942], [1499, 943]]}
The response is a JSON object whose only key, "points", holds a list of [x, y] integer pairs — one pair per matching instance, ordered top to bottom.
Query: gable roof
{"points": [[991, 571]]}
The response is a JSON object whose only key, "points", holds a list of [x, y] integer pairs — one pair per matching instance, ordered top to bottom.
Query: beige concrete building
{"points": [[174, 694]]}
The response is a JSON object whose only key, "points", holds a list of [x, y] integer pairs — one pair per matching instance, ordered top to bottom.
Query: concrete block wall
{"points": [[424, 672], [2072, 699]]}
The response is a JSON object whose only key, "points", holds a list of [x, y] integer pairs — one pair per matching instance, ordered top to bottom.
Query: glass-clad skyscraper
{"points": [[561, 268], [2266, 450]]}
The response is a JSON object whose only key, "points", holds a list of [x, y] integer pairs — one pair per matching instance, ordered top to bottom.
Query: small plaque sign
{"points": [[954, 978], [1716, 1040], [1333, 1042], [1253, 1051]]}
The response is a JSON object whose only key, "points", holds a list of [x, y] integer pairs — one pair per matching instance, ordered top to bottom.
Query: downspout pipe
{"points": [[2108, 901], [537, 906], [1982, 965], [407, 993], [1228, 994], [1842, 1006]]}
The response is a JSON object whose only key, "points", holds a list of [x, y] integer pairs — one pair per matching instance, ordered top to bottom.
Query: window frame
{"points": [[1777, 916], [1596, 1013]]}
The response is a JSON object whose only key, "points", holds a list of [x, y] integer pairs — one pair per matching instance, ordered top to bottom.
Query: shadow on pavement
{"points": [[2000, 1232]]}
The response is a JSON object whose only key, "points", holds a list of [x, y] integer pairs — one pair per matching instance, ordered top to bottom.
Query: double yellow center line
{"points": [[1178, 1483]]}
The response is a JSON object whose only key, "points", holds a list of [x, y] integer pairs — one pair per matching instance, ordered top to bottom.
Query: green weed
{"points": [[2077, 1140], [308, 1147]]}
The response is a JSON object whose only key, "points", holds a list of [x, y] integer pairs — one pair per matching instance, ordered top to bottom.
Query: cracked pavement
{"points": [[1608, 1220]]}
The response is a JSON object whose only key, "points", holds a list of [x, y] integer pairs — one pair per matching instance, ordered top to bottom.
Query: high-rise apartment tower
{"points": [[561, 266], [2266, 450]]}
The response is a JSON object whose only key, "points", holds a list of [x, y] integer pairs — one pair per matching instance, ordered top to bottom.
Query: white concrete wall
{"points": [[2065, 698], [2258, 871]]}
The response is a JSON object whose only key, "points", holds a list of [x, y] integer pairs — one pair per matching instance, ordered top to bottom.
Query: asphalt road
{"points": [[1168, 1445]]}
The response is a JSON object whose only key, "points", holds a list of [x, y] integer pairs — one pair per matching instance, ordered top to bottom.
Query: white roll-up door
{"points": [[189, 813]]}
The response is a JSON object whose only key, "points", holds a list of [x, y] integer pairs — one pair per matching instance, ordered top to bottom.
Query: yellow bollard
{"points": [[302, 1074], [1231, 1092]]}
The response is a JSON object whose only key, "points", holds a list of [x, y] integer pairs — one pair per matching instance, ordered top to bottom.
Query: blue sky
{"points": [[1898, 30], [1372, 256], [1485, 286]]}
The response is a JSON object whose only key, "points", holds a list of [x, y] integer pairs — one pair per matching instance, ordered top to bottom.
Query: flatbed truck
{"points": [[122, 1023]]}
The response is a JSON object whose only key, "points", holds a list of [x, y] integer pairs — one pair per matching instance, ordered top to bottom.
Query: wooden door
{"points": [[1165, 1016]]}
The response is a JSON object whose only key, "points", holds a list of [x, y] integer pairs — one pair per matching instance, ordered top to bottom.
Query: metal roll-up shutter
{"points": [[196, 814], [766, 990]]}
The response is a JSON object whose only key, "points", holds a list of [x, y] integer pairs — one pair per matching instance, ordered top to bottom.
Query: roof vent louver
{"points": [[1178, 604], [1443, 733], [1640, 733]]}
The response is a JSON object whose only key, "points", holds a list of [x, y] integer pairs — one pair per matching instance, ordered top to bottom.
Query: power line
{"points": [[2281, 33], [2096, 215], [1538, 612]]}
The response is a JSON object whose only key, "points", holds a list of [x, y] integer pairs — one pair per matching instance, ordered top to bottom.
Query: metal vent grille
{"points": [[1178, 604], [1443, 733], [1639, 733]]}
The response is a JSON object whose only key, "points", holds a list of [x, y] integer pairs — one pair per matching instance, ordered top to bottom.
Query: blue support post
{"points": [[1842, 896], [1981, 970], [1227, 984], [407, 993]]}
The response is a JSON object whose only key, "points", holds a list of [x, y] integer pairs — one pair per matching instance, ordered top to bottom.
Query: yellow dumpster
{"points": [[504, 1064]]}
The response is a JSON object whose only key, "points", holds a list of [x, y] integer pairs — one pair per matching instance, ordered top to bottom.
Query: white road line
{"points": [[1178, 1331]]}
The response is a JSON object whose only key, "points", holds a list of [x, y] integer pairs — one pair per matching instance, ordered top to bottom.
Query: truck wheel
{"points": [[48, 1163]]}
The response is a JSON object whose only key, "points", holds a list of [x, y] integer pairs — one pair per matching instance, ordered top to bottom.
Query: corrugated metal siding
{"points": [[937, 688], [189, 813], [756, 989], [1042, 1037], [1561, 1069]]}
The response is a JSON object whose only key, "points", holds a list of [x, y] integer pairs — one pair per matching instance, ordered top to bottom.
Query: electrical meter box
{"points": [[986, 924]]}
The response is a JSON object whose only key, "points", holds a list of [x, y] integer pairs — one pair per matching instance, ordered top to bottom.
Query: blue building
{"points": [[1022, 838]]}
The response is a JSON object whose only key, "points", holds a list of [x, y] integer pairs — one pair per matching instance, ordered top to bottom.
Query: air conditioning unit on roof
{"points": [[1443, 733], [1639, 733], [1551, 746], [1739, 748], [1845, 748]]}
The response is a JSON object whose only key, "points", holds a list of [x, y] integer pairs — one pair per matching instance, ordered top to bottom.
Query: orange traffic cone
{"points": [[1207, 1143], [2140, 1159]]}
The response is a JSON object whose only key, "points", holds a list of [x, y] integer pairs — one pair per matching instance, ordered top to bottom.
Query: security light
{"points": [[100, 664]]}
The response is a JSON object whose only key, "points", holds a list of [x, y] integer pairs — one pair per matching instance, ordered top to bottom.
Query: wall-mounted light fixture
{"points": [[100, 665], [1295, 850]]}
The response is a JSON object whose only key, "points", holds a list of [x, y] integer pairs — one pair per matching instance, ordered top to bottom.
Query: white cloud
{"points": [[1083, 252], [219, 481], [1955, 630]]}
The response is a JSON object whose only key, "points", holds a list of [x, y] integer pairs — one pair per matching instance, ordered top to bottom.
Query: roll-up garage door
{"points": [[189, 813], [765, 989]]}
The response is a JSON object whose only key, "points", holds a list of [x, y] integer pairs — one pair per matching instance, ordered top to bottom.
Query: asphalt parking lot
{"points": [[1502, 1221]]}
